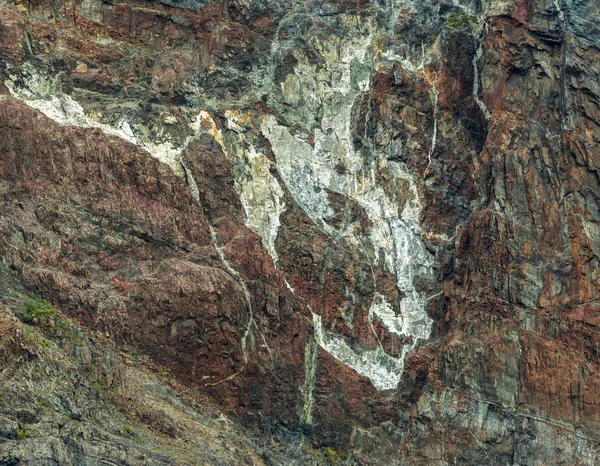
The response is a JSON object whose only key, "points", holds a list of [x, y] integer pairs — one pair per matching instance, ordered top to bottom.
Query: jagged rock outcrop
{"points": [[368, 225]]}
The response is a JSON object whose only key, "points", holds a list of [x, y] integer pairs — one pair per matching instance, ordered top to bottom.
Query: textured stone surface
{"points": [[364, 225]]}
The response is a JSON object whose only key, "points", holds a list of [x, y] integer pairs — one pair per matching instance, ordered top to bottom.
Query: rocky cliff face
{"points": [[367, 229]]}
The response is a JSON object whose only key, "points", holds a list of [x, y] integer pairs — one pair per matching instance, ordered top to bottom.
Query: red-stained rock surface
{"points": [[492, 110]]}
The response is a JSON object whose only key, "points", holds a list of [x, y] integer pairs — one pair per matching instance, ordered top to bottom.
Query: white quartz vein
{"points": [[66, 111], [329, 163]]}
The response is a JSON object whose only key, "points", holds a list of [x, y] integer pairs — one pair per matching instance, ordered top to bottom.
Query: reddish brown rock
{"points": [[504, 148]]}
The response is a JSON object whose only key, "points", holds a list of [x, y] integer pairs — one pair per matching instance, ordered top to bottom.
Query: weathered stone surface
{"points": [[372, 225]]}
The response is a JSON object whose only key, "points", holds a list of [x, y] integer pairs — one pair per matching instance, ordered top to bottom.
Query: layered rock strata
{"points": [[371, 225]]}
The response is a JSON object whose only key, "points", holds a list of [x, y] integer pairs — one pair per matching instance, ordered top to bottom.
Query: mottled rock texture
{"points": [[366, 227]]}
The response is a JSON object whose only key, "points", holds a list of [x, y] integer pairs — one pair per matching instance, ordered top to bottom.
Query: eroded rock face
{"points": [[372, 223]]}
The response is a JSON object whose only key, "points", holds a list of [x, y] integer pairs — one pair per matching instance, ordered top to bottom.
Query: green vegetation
{"points": [[461, 21], [37, 308], [26, 433], [330, 456], [334, 458]]}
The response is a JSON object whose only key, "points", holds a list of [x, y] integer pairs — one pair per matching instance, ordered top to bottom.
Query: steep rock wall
{"points": [[375, 223]]}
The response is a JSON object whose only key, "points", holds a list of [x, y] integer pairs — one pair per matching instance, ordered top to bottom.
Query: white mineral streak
{"points": [[494, 9], [559, 10], [476, 83], [41, 94], [435, 114], [205, 123], [331, 163], [191, 182], [260, 193], [262, 198], [235, 274], [288, 285], [385, 312], [383, 370], [307, 388]]}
